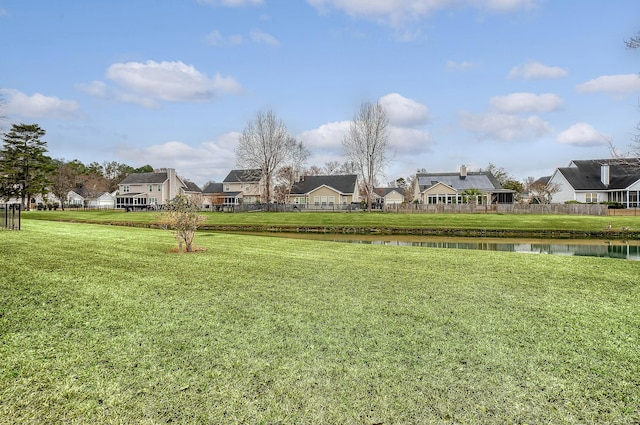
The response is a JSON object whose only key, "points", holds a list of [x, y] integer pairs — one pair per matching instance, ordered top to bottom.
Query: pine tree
{"points": [[24, 167]]}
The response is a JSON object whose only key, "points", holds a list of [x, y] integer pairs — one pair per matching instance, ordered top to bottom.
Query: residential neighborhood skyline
{"points": [[526, 85]]}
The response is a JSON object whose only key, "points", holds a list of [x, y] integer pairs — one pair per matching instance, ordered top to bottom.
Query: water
{"points": [[605, 249], [629, 250]]}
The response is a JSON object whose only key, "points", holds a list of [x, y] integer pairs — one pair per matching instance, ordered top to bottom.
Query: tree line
{"points": [[26, 169]]}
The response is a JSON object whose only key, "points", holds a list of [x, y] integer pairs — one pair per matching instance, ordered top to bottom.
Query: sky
{"points": [[526, 85]]}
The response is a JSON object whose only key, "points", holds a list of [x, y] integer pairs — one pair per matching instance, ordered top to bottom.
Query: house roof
{"points": [[586, 174], [251, 175], [142, 178], [481, 180], [341, 183], [191, 187], [213, 188], [384, 191]]}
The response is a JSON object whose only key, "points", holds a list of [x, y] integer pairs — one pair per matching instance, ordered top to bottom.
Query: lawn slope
{"points": [[104, 324]]}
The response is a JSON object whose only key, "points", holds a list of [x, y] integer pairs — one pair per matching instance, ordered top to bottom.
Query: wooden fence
{"points": [[572, 209]]}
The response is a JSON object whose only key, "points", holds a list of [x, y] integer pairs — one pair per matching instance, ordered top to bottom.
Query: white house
{"points": [[599, 180]]}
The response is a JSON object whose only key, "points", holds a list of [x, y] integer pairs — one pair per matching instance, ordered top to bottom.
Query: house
{"points": [[598, 180], [243, 186], [464, 186], [150, 190], [325, 190], [213, 195], [389, 195], [82, 197]]}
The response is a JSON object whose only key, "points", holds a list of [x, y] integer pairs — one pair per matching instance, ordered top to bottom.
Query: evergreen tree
{"points": [[24, 167]]}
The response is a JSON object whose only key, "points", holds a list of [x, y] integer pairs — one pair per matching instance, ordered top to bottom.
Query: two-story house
{"points": [[243, 186], [151, 190]]}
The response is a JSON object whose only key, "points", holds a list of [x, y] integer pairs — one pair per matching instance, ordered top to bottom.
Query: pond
{"points": [[629, 250]]}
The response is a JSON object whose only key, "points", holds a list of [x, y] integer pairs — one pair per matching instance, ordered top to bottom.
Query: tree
{"points": [[265, 144], [366, 145], [24, 167], [290, 173], [63, 180], [541, 191], [181, 216]]}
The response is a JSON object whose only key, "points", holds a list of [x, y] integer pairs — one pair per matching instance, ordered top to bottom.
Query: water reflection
{"points": [[607, 249]]}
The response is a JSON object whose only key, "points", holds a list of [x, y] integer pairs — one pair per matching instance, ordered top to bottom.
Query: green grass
{"points": [[531, 222], [104, 324]]}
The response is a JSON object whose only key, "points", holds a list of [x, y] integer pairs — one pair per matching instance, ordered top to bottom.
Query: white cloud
{"points": [[231, 3], [398, 12], [259, 36], [215, 38], [461, 66], [533, 70], [147, 83], [616, 85], [515, 103], [38, 105], [403, 111], [504, 127], [581, 134], [327, 137], [409, 141], [210, 160]]}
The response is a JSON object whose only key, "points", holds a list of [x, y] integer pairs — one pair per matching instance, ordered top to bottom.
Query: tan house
{"points": [[243, 186], [464, 186], [151, 190], [319, 191], [389, 195], [213, 196]]}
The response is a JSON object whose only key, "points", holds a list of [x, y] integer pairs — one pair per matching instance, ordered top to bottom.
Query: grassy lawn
{"points": [[368, 220], [104, 324]]}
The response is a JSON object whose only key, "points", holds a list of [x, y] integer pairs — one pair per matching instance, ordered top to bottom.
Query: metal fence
{"points": [[10, 216]]}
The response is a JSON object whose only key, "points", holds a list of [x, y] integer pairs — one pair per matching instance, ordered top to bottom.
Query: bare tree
{"points": [[266, 144], [366, 145], [331, 167], [62, 181], [541, 191], [181, 216]]}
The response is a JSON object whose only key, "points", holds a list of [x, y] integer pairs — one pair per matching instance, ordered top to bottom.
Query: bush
{"points": [[613, 205]]}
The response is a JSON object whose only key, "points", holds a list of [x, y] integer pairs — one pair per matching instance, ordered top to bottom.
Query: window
{"points": [[227, 187], [125, 188], [150, 188], [159, 188], [591, 198], [316, 200], [332, 200], [153, 201]]}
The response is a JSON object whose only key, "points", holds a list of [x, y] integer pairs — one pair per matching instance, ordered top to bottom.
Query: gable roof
{"points": [[586, 174], [251, 175], [144, 178], [481, 180], [341, 183], [191, 187], [213, 188], [384, 191]]}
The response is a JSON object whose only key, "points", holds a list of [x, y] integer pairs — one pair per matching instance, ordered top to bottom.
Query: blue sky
{"points": [[527, 85]]}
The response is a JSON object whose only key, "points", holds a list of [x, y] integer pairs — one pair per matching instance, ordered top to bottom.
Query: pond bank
{"points": [[621, 234]]}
